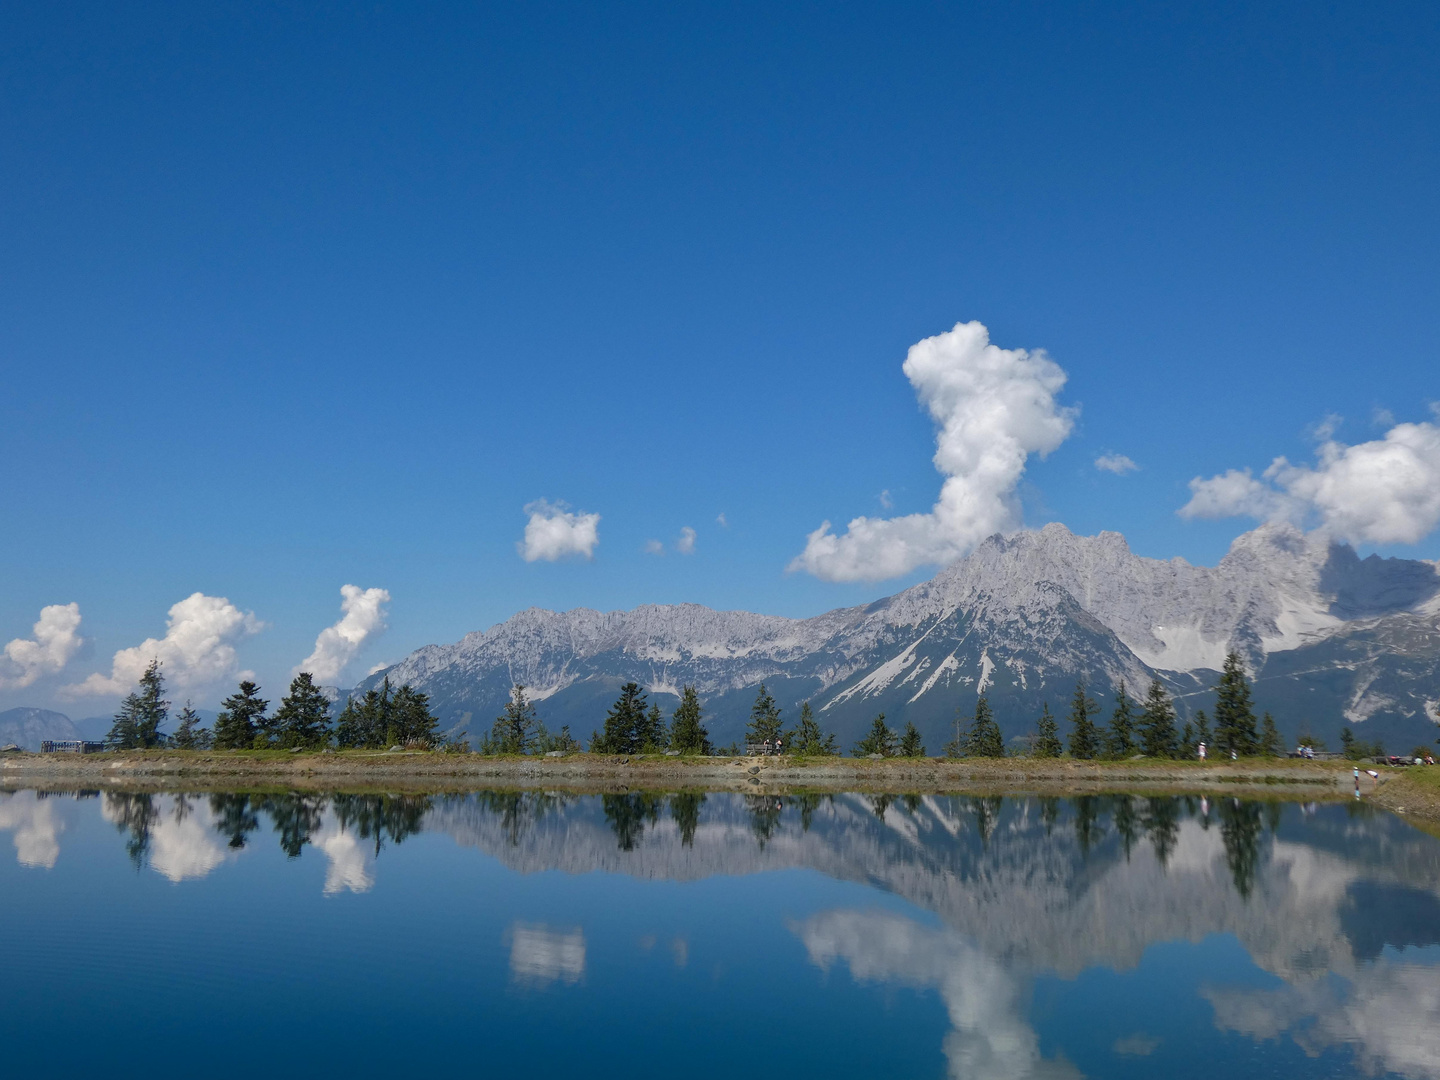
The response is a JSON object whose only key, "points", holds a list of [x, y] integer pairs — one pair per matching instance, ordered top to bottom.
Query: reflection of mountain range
{"points": [[1330, 637], [1021, 886]]}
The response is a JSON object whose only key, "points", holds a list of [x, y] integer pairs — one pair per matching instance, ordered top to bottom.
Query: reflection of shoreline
{"points": [[461, 773], [1021, 887]]}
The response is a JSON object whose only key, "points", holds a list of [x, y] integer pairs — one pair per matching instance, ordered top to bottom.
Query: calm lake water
{"points": [[699, 936]]}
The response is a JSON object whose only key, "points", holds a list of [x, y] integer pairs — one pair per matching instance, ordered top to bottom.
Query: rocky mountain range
{"points": [[1329, 638]]}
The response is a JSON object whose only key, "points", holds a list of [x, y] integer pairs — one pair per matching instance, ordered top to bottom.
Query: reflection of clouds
{"points": [[37, 829], [180, 830], [183, 846], [350, 861], [681, 948], [539, 955], [1390, 1015], [990, 1040], [1137, 1045]]}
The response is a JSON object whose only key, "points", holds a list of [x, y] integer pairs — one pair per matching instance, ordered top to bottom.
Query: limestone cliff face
{"points": [[1329, 637]]}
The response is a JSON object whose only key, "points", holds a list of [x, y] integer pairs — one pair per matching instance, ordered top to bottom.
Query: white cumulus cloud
{"points": [[994, 407], [1118, 464], [1386, 491], [553, 532], [686, 544], [362, 618], [54, 643], [198, 649], [540, 956]]}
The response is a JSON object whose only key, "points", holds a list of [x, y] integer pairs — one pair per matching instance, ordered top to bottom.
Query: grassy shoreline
{"points": [[419, 770]]}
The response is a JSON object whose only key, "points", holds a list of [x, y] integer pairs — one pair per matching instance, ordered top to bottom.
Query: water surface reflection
{"points": [[1016, 915]]}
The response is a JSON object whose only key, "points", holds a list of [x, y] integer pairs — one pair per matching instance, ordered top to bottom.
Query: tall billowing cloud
{"points": [[994, 407], [1386, 491], [553, 533], [362, 618], [56, 640], [198, 649], [990, 1039]]}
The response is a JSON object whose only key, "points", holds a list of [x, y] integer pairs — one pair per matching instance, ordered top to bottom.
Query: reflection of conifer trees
{"points": [[911, 803], [879, 804], [808, 805], [512, 809], [181, 810], [685, 810], [1049, 812], [135, 814], [1273, 814], [627, 815], [987, 815], [764, 816], [233, 817], [295, 817], [376, 817], [1162, 823], [1127, 824], [1088, 829], [1240, 832]]}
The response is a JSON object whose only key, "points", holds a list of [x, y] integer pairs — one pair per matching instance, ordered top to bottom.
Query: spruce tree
{"points": [[1234, 716], [303, 718], [410, 721], [624, 723], [1157, 723], [137, 724], [364, 724], [765, 725], [235, 726], [515, 728], [687, 728], [1202, 734], [188, 735], [654, 735], [1269, 737], [1084, 738], [984, 739], [1120, 739], [808, 740], [881, 740], [1047, 742], [1347, 742], [910, 743], [956, 748]]}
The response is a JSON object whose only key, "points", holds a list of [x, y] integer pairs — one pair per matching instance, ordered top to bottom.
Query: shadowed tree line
{"points": [[382, 717]]}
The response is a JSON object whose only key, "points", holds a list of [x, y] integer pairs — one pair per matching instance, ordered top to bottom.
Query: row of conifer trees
{"points": [[382, 717], [634, 726]]}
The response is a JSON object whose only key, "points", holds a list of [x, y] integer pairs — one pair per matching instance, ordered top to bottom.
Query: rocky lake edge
{"points": [[1414, 791]]}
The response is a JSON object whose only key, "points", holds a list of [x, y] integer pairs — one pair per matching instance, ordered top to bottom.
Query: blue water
{"points": [[636, 935]]}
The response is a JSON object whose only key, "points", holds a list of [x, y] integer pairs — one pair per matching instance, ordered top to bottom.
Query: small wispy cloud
{"points": [[1382, 418], [1118, 464], [886, 502], [720, 520], [554, 533], [685, 545], [654, 547], [1137, 1045]]}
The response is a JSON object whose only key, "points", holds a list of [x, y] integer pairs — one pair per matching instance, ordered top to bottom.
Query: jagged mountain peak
{"points": [[1019, 619]]}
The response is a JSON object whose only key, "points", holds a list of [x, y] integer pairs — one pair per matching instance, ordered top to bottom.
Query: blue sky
{"points": [[300, 296]]}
